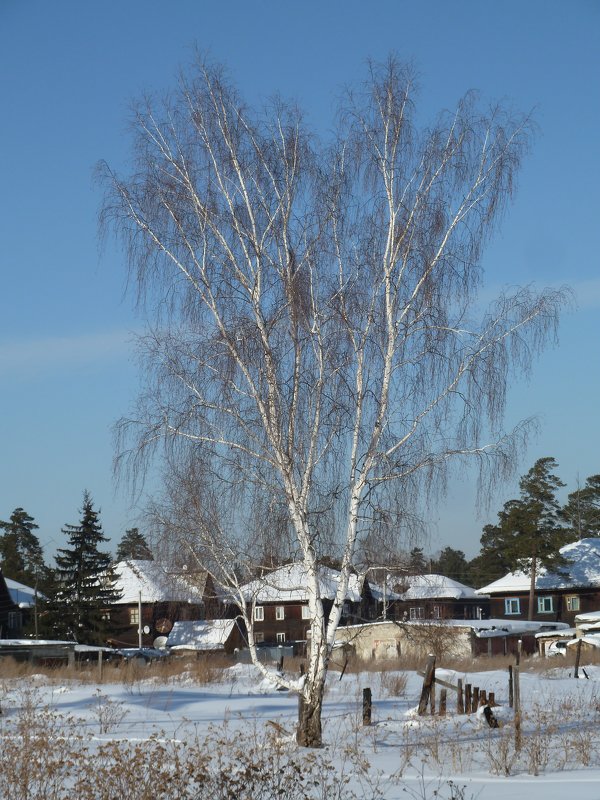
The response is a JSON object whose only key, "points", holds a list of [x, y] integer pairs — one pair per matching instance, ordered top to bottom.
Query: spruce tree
{"points": [[133, 545], [21, 555], [85, 582]]}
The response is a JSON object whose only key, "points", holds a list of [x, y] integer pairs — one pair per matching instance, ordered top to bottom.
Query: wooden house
{"points": [[559, 596], [436, 597], [153, 598], [277, 603], [11, 617]]}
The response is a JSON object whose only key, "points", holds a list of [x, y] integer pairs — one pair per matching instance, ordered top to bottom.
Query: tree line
{"points": [[75, 591]]}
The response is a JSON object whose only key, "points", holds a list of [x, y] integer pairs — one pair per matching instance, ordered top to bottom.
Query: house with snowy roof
{"points": [[434, 596], [559, 596], [153, 598], [278, 601], [11, 619], [203, 637]]}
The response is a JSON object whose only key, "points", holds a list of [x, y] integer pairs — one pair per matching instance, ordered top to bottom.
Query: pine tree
{"points": [[582, 510], [529, 534], [133, 545], [21, 554], [453, 564], [85, 582]]}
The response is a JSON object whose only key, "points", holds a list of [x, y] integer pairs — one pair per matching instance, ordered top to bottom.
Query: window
{"points": [[572, 602], [512, 605], [545, 605], [279, 612], [305, 612], [417, 612], [437, 612], [259, 613], [134, 616], [14, 620], [259, 637], [281, 637]]}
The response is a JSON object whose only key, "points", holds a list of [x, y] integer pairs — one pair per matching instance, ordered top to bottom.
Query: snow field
{"points": [[234, 738]]}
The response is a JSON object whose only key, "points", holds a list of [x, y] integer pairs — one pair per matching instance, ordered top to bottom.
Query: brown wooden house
{"points": [[560, 596], [430, 597], [153, 599], [277, 603], [11, 619]]}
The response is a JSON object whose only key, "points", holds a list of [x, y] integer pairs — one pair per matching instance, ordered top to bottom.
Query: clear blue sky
{"points": [[69, 71]]}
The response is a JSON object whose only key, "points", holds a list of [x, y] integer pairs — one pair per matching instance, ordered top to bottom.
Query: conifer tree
{"points": [[582, 510], [528, 534], [133, 545], [21, 555], [85, 582]]}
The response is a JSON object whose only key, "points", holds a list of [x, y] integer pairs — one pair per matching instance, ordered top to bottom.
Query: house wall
{"points": [[561, 602], [477, 608], [11, 619], [389, 640]]}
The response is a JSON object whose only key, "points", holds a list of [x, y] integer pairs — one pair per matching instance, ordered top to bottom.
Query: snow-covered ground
{"points": [[399, 755]]}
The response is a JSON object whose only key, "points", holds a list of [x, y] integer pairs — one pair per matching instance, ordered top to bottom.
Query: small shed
{"points": [[205, 636]]}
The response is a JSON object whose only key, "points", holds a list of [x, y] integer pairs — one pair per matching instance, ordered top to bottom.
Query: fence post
{"points": [[578, 657], [100, 666], [427, 684], [510, 686], [443, 694], [467, 698], [482, 698], [475, 699], [492, 699], [517, 699], [460, 703], [367, 706]]}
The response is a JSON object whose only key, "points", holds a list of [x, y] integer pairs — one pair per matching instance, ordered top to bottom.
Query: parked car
{"points": [[557, 648], [144, 655]]}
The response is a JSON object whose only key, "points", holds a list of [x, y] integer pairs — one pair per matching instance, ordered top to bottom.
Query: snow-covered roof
{"points": [[582, 571], [290, 583], [156, 584], [430, 587], [23, 596], [588, 616], [200, 634]]}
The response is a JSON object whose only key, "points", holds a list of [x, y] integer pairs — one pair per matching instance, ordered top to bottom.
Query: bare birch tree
{"points": [[312, 314]]}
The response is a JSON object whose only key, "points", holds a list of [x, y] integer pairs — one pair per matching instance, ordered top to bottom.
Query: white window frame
{"points": [[573, 602], [545, 604], [512, 606], [306, 612], [416, 612], [437, 612], [259, 613], [279, 613], [134, 615], [280, 638]]}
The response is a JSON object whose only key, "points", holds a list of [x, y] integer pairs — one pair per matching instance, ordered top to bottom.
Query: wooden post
{"points": [[519, 648], [578, 657], [280, 665], [100, 666], [427, 684], [510, 686], [443, 693], [432, 698], [467, 698], [482, 698], [475, 699], [492, 699], [517, 700], [460, 703], [367, 706]]}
